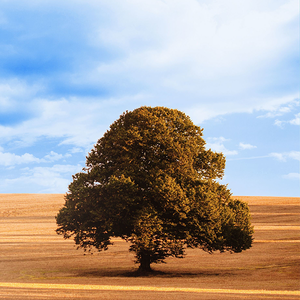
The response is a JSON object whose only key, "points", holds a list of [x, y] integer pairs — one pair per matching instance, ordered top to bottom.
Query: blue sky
{"points": [[68, 69]]}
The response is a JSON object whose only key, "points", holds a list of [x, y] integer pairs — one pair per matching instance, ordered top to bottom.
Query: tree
{"points": [[151, 181]]}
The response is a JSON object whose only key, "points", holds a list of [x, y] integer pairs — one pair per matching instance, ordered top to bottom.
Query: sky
{"points": [[69, 69]]}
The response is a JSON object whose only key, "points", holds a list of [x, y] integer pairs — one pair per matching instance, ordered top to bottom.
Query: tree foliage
{"points": [[151, 181]]}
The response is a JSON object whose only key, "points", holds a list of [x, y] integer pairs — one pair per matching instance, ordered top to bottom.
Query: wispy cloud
{"points": [[281, 106], [284, 108], [76, 121], [294, 121], [217, 144], [244, 146], [286, 155], [283, 157], [249, 158], [8, 159], [292, 176], [53, 179]]}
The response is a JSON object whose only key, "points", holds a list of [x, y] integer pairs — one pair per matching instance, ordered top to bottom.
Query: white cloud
{"points": [[216, 36], [211, 40], [202, 52], [205, 58], [13, 92], [274, 106], [280, 106], [72, 121], [77, 121], [295, 121], [279, 123], [217, 145], [244, 146], [76, 150], [286, 155], [294, 155], [53, 156], [279, 156], [10, 159], [292, 176], [53, 179]]}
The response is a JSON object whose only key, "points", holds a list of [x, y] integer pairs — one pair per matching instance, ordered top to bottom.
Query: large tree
{"points": [[151, 181]]}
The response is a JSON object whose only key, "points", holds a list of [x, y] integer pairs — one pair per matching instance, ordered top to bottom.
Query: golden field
{"points": [[38, 264]]}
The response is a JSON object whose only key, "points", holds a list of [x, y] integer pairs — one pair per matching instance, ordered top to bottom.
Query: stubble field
{"points": [[35, 263]]}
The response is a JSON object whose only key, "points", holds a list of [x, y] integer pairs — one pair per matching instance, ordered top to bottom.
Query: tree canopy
{"points": [[151, 181]]}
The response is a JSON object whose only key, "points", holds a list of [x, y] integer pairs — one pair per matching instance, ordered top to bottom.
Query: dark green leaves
{"points": [[151, 181]]}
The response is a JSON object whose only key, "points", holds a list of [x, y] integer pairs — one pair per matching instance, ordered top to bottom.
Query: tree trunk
{"points": [[145, 263]]}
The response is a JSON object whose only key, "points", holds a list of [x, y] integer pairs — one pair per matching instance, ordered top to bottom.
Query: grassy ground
{"points": [[38, 264]]}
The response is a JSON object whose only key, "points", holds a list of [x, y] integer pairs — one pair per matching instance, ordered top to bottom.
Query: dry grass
{"points": [[255, 200], [12, 205], [31, 253]]}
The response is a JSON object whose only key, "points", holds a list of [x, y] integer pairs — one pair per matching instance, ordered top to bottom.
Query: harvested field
{"points": [[38, 264]]}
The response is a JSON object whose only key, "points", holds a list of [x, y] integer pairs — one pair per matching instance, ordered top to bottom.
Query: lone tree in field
{"points": [[150, 181]]}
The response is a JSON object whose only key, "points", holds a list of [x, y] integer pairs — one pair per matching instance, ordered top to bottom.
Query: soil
{"points": [[36, 263]]}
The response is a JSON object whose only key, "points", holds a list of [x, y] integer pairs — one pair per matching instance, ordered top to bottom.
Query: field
{"points": [[38, 264]]}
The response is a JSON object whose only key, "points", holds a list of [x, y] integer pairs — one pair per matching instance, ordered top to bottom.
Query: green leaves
{"points": [[151, 181], [120, 202], [237, 230], [151, 239]]}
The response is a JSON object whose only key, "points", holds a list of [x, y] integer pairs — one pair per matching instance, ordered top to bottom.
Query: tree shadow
{"points": [[154, 273]]}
